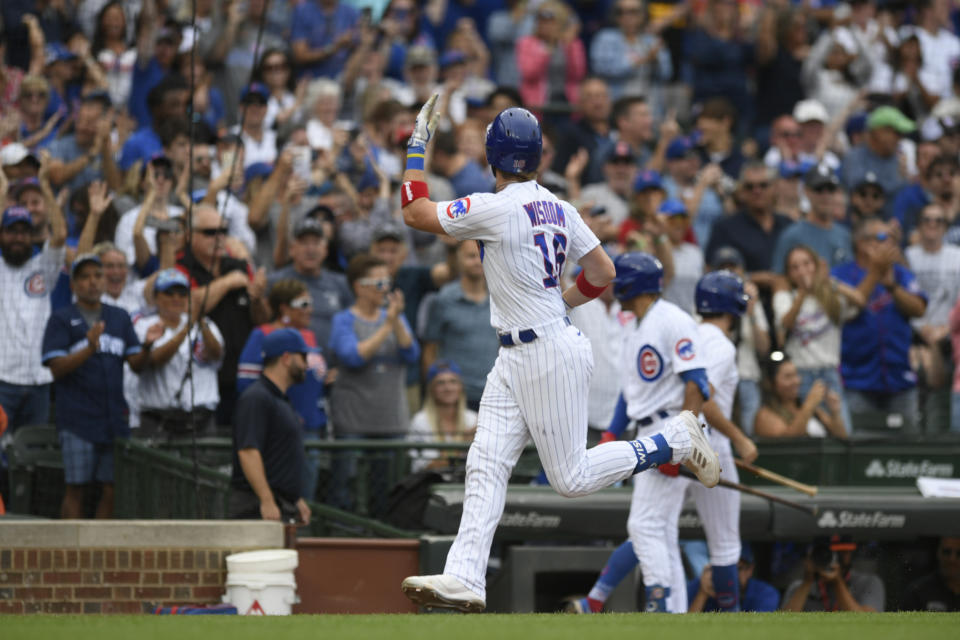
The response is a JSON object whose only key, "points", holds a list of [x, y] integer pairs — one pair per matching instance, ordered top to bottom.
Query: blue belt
{"points": [[526, 336], [649, 420]]}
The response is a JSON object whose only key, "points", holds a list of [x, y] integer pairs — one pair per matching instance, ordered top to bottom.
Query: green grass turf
{"points": [[745, 626]]}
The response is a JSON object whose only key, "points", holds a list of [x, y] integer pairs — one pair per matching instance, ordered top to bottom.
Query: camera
{"points": [[822, 556]]}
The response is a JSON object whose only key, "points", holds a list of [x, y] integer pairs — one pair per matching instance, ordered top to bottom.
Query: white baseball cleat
{"points": [[691, 447], [444, 592]]}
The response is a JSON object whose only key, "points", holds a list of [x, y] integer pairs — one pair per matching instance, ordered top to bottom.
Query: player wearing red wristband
{"points": [[538, 387]]}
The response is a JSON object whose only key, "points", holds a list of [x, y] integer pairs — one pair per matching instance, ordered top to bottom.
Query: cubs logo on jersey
{"points": [[458, 208], [35, 285], [684, 349], [649, 363]]}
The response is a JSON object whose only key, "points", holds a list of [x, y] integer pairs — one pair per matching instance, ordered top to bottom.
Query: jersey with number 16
{"points": [[526, 236]]}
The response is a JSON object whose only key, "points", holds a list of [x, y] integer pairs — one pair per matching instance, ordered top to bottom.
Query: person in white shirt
{"points": [[940, 47], [259, 142], [158, 183], [937, 267], [26, 280], [809, 318], [603, 322], [176, 398], [443, 418]]}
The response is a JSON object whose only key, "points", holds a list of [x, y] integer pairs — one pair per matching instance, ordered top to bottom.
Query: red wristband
{"points": [[413, 190], [587, 289]]}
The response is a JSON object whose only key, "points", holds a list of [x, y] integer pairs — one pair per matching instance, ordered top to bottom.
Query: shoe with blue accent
{"points": [[689, 444], [577, 605]]}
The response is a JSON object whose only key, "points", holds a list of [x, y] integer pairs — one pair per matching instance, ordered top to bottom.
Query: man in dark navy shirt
{"points": [[85, 345], [269, 458]]}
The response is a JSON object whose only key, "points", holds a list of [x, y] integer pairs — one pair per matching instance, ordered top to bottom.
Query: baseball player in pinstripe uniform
{"points": [[720, 301], [538, 385]]}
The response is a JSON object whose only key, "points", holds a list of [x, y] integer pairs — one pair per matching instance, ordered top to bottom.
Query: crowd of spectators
{"points": [[223, 170]]}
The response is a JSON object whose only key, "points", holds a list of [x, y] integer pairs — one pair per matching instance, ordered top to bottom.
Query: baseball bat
{"points": [[766, 474], [736, 486]]}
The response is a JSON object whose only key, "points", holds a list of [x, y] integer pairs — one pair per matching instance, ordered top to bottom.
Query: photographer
{"points": [[830, 584]]}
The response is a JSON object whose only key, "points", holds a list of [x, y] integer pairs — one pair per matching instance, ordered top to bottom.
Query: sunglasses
{"points": [[751, 186], [825, 188], [874, 194], [937, 221], [212, 232], [381, 284], [177, 291], [301, 303]]}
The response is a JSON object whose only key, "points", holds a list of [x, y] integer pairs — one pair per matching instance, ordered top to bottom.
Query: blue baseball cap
{"points": [[56, 52], [452, 57], [255, 89], [679, 148], [790, 169], [257, 170], [368, 179], [648, 179], [673, 207], [15, 214], [82, 259], [170, 278], [284, 341], [442, 366]]}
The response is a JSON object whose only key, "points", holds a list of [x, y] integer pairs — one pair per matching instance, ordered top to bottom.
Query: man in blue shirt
{"points": [[323, 32], [167, 100], [87, 154], [466, 176], [935, 185], [819, 231], [458, 325], [85, 346], [874, 357], [755, 595]]}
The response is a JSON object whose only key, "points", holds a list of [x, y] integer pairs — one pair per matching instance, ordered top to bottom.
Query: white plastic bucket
{"points": [[267, 561], [269, 594]]}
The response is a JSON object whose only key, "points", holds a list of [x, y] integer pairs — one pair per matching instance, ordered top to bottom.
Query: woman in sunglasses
{"points": [[291, 304], [809, 317], [373, 345]]}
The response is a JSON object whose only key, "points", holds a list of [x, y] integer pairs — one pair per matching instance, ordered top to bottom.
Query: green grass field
{"points": [[745, 626]]}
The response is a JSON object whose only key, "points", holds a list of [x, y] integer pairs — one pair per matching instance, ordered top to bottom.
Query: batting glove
{"points": [[426, 123], [607, 437]]}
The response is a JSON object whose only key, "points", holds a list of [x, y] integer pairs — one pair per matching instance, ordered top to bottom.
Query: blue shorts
{"points": [[85, 461]]}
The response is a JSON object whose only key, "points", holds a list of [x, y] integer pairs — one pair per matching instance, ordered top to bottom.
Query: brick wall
{"points": [[120, 566], [108, 580]]}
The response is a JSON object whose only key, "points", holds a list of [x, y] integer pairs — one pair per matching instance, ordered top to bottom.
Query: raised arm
{"points": [[419, 211]]}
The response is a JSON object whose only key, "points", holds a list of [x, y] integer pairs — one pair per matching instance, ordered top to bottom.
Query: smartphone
{"points": [[226, 159], [302, 159]]}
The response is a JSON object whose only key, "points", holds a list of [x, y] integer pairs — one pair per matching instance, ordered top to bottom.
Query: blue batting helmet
{"points": [[514, 141], [637, 273], [721, 292]]}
